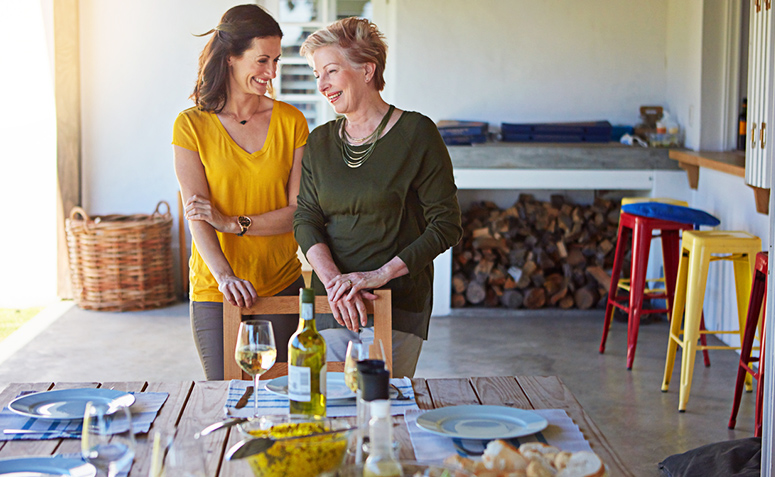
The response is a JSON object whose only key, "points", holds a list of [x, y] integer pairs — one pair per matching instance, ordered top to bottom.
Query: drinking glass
{"points": [[256, 351], [107, 439], [185, 457]]}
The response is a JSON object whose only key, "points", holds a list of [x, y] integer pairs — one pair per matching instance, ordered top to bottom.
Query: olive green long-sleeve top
{"points": [[401, 202]]}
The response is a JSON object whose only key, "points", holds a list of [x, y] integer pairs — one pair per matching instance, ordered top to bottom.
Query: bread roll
{"points": [[538, 449], [500, 455], [583, 464], [540, 468]]}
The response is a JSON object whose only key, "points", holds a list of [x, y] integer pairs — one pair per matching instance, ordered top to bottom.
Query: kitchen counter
{"points": [[576, 156], [728, 162], [577, 166]]}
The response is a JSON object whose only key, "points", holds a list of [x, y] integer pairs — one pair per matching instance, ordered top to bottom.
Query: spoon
{"points": [[226, 423], [257, 445]]}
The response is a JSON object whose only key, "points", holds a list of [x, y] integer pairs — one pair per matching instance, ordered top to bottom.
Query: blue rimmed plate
{"points": [[335, 386], [68, 403], [481, 422], [59, 466]]}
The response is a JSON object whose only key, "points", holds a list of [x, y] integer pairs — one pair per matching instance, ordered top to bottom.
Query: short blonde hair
{"points": [[360, 41]]}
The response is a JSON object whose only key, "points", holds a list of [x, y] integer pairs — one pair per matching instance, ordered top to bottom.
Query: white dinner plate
{"points": [[335, 386], [68, 403], [481, 422], [23, 466]]}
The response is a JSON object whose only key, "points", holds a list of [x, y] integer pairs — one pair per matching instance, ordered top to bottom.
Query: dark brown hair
{"points": [[239, 25]]}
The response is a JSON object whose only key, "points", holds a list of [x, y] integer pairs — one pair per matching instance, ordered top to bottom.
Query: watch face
{"points": [[244, 221]]}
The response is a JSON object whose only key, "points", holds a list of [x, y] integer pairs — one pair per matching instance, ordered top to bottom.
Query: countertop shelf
{"points": [[731, 162]]}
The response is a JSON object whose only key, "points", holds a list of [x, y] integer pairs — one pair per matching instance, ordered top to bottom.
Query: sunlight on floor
{"points": [[28, 164]]}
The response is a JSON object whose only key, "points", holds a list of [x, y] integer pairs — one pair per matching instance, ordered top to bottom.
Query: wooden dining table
{"points": [[191, 406]]}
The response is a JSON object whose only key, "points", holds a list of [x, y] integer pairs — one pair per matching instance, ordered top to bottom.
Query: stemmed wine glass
{"points": [[256, 351], [107, 439]]}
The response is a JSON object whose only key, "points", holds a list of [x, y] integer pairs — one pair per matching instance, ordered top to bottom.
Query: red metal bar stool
{"points": [[657, 215], [752, 323]]}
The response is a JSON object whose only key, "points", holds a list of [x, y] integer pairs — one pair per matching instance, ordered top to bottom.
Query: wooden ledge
{"points": [[732, 162]]}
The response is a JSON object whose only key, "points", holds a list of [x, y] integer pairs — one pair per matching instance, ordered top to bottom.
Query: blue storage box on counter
{"points": [[591, 131], [458, 133]]}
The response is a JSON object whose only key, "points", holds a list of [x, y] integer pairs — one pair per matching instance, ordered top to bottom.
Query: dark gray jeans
{"points": [[207, 325]]}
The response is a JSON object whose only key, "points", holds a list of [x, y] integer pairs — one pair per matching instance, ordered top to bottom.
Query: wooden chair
{"points": [[289, 305]]}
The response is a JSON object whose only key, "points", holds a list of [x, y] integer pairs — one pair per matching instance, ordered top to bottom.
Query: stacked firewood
{"points": [[535, 254]]}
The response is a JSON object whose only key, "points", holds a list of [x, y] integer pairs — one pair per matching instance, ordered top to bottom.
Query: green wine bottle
{"points": [[307, 362]]}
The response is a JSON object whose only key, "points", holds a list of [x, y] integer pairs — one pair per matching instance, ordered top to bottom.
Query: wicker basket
{"points": [[121, 262]]}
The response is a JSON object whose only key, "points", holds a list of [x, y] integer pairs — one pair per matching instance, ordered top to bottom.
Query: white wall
{"points": [[525, 60], [684, 66], [138, 67]]}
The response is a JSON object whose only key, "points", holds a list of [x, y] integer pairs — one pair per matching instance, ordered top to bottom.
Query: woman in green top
{"points": [[377, 201]]}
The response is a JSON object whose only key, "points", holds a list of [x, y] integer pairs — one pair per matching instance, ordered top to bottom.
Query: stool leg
{"points": [[641, 243], [671, 251], [744, 271], [616, 272], [695, 293], [676, 318], [751, 324], [760, 383]]}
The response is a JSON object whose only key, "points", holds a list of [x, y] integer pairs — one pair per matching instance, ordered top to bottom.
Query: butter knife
{"points": [[243, 401], [31, 431]]}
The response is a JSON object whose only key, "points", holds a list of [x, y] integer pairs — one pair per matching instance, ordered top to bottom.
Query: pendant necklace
{"points": [[245, 121], [353, 158]]}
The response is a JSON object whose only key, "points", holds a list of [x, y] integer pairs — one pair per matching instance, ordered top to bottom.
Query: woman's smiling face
{"points": [[251, 72], [342, 84]]}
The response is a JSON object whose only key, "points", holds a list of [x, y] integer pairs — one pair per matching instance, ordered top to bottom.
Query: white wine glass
{"points": [[256, 351], [356, 351], [107, 438]]}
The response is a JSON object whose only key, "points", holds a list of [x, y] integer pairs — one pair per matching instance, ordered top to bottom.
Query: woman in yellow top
{"points": [[237, 157]]}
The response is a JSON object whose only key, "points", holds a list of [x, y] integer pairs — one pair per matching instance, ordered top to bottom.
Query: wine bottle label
{"points": [[307, 311], [299, 383]]}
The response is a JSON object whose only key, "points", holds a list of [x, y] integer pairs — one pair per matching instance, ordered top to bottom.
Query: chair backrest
{"points": [[289, 305]]}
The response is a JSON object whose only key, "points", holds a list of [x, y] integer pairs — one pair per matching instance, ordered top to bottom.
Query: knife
{"points": [[243, 401]]}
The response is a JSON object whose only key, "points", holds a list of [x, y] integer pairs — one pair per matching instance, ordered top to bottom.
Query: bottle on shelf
{"points": [[742, 126], [307, 362], [382, 461]]}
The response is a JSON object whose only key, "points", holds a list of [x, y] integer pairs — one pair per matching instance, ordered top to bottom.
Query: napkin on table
{"points": [[274, 404], [144, 411], [561, 432]]}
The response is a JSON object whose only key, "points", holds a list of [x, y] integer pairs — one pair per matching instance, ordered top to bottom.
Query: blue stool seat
{"points": [[675, 213]]}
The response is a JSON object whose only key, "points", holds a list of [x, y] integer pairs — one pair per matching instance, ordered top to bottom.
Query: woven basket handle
{"points": [[79, 211], [156, 212]]}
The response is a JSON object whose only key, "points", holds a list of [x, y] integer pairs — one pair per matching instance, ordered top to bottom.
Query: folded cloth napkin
{"points": [[273, 404], [144, 411], [561, 432]]}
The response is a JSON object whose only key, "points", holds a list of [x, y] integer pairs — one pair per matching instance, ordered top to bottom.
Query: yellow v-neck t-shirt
{"points": [[245, 184]]}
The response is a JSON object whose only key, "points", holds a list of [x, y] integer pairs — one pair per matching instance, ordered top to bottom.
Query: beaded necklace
{"points": [[353, 158]]}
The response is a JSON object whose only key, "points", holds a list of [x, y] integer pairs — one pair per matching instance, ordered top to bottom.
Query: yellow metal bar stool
{"points": [[698, 249]]}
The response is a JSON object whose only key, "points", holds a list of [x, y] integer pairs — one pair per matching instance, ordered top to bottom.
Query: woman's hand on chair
{"points": [[199, 208], [350, 285], [237, 291], [350, 313]]}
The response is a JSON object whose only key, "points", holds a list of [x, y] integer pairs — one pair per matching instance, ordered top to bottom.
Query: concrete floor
{"points": [[642, 422]]}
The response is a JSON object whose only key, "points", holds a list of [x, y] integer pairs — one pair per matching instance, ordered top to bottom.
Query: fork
{"points": [[401, 396]]}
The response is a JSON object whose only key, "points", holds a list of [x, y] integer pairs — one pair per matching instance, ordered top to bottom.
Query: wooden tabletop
{"points": [[193, 405]]}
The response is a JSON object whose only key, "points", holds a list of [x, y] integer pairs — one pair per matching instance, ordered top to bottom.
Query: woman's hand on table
{"points": [[198, 208], [237, 291]]}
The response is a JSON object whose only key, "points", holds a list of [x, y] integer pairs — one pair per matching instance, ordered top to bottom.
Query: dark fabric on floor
{"points": [[738, 458]]}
